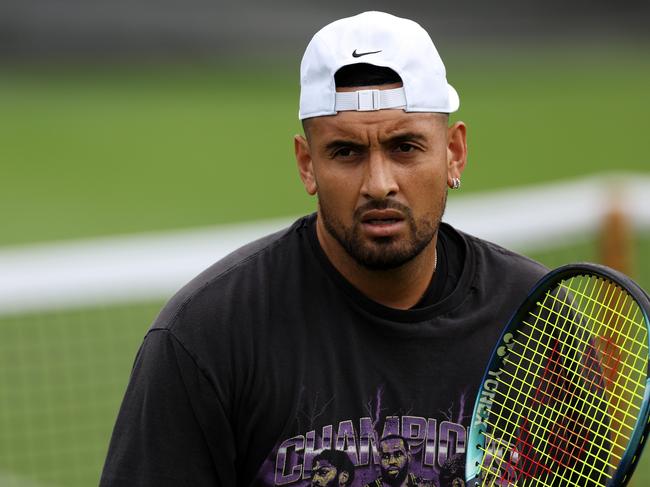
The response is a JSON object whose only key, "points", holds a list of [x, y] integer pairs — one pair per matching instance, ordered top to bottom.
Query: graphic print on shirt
{"points": [[381, 447]]}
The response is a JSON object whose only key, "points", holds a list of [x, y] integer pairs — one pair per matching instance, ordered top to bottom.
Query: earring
{"points": [[455, 183]]}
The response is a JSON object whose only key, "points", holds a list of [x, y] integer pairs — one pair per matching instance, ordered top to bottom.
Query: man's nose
{"points": [[379, 179]]}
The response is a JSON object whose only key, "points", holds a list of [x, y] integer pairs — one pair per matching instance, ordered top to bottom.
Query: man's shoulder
{"points": [[507, 257], [492, 261], [238, 275]]}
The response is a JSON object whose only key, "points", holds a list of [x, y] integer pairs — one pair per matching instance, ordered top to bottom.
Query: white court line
{"points": [[153, 266], [115, 269]]}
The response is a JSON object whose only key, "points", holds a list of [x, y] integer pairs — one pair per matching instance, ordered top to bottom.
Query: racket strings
{"points": [[619, 320], [633, 321], [591, 339], [612, 386], [600, 388], [573, 396], [572, 403], [569, 407], [526, 439], [497, 448], [531, 466]]}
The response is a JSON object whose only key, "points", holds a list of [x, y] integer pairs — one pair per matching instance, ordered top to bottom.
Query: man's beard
{"points": [[382, 253], [397, 480], [331, 483]]}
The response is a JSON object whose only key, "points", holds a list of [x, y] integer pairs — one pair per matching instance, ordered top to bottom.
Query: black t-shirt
{"points": [[450, 250], [270, 356]]}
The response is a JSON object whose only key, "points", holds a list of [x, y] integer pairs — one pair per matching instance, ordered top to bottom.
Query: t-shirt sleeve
{"points": [[171, 429]]}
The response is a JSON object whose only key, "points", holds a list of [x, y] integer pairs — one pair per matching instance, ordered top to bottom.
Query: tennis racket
{"points": [[565, 399]]}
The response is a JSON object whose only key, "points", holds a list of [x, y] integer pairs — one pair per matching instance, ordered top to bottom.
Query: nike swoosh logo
{"points": [[359, 54]]}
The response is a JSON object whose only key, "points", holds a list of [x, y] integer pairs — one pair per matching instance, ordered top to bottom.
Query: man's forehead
{"points": [[387, 86], [385, 122], [393, 444], [322, 464]]}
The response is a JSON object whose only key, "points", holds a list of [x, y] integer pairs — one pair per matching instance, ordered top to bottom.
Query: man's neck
{"points": [[400, 288]]}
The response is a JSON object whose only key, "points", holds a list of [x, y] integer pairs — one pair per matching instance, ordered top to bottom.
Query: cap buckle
{"points": [[368, 100]]}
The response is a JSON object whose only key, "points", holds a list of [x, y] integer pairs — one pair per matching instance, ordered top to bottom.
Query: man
{"points": [[367, 319], [395, 462], [332, 468]]}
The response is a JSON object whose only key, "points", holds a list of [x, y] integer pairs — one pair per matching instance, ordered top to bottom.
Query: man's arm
{"points": [[170, 424]]}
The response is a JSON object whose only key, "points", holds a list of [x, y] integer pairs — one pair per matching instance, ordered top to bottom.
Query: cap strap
{"points": [[367, 100]]}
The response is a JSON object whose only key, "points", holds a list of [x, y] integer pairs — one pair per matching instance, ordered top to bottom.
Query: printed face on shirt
{"points": [[381, 179], [394, 460], [324, 475]]}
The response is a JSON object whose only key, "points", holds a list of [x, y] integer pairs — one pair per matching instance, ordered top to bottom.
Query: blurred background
{"points": [[141, 140]]}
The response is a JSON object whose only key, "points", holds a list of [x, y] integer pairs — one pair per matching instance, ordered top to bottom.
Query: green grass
{"points": [[539, 122], [103, 151]]}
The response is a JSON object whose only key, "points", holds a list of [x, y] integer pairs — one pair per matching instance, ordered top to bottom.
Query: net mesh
{"points": [[62, 375], [570, 389]]}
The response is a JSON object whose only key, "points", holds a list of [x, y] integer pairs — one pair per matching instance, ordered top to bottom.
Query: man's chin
{"points": [[377, 253], [383, 257], [394, 478]]}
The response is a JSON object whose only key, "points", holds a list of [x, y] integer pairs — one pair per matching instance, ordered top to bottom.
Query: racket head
{"points": [[543, 416]]}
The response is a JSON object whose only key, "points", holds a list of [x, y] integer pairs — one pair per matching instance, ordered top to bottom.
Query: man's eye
{"points": [[405, 148], [344, 152]]}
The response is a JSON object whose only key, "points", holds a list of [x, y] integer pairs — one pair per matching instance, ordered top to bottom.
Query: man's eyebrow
{"points": [[405, 137], [391, 140], [337, 143]]}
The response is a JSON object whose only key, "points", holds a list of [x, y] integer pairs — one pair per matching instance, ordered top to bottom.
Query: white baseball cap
{"points": [[383, 40]]}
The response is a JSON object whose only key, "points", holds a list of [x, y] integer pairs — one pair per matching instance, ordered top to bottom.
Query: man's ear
{"points": [[456, 151], [305, 163], [344, 477]]}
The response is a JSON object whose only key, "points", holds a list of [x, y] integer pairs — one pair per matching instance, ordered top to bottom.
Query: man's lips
{"points": [[378, 216], [382, 223]]}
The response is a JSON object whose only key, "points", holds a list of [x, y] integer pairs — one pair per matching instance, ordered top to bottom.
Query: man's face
{"points": [[381, 179], [394, 461], [323, 474]]}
